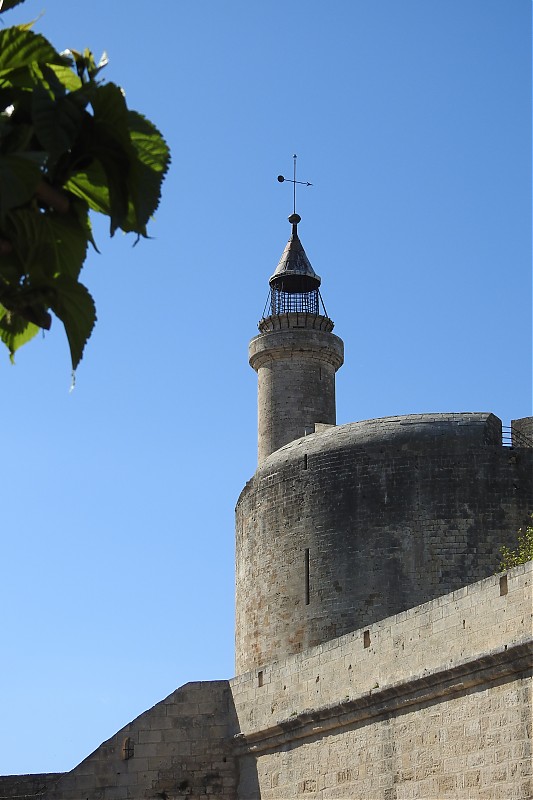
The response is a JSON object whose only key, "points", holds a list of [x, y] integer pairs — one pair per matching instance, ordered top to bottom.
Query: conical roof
{"points": [[294, 272]]}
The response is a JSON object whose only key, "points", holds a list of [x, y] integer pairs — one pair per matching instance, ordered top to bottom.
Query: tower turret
{"points": [[296, 355]]}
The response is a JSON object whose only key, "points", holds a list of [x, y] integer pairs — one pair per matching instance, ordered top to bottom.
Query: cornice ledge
{"points": [[486, 669]]}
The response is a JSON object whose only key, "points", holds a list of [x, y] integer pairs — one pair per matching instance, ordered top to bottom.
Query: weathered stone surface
{"points": [[295, 363], [522, 431], [347, 526], [461, 628], [439, 705], [191, 758], [26, 786]]}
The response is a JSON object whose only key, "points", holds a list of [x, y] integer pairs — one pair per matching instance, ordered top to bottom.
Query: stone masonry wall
{"points": [[296, 380], [524, 428], [350, 525], [432, 703], [475, 746], [179, 748], [20, 787]]}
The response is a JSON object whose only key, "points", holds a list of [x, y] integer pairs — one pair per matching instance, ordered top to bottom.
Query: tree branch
{"points": [[52, 197]]}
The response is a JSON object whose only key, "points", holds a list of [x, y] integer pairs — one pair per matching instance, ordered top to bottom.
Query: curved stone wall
{"points": [[295, 357], [342, 528]]}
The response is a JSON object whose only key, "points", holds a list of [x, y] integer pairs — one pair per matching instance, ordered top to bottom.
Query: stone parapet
{"points": [[295, 319], [291, 343], [483, 619]]}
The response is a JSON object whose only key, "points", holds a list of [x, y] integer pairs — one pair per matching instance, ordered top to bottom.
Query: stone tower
{"points": [[296, 355], [343, 526], [377, 653]]}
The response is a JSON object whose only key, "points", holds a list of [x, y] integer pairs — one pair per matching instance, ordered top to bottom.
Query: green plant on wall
{"points": [[68, 144], [523, 551]]}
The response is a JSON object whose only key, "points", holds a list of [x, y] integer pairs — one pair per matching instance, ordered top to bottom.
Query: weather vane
{"points": [[294, 182]]}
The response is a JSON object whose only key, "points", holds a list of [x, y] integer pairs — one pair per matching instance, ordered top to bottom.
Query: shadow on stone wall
{"points": [[182, 747]]}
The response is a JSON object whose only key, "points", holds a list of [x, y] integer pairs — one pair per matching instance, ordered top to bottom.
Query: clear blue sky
{"points": [[412, 120]]}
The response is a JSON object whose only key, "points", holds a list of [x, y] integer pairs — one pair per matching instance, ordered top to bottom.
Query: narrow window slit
{"points": [[305, 461], [306, 575], [503, 585], [366, 639], [260, 678], [128, 748]]}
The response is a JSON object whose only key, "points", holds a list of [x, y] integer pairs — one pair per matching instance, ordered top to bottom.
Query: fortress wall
{"points": [[374, 517], [457, 627], [434, 702], [438, 704], [180, 747], [474, 747], [20, 787]]}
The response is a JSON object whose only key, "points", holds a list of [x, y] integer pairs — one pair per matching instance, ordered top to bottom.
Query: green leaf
{"points": [[5, 5], [21, 48], [85, 65], [66, 75], [47, 80], [57, 121], [62, 130], [15, 137], [112, 146], [130, 160], [116, 166], [149, 168], [19, 177], [103, 184], [91, 185], [80, 208], [68, 235], [49, 245], [11, 271], [29, 304], [74, 306], [15, 331]]}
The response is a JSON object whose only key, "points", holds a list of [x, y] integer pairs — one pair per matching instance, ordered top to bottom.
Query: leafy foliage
{"points": [[7, 4], [68, 144], [522, 553]]}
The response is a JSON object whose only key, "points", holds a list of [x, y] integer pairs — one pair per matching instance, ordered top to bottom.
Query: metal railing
{"points": [[512, 437]]}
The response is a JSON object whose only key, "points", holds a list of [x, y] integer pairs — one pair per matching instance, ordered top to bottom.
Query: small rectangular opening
{"points": [[305, 461], [306, 575], [503, 585], [366, 639], [260, 678]]}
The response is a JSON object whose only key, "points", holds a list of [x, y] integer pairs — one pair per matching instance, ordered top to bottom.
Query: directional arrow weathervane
{"points": [[281, 179]]}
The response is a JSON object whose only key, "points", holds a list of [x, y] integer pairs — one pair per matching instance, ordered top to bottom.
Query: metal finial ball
{"points": [[281, 178], [294, 219]]}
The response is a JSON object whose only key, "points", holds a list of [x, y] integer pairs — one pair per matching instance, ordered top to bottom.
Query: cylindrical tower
{"points": [[296, 355], [358, 522], [351, 524]]}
